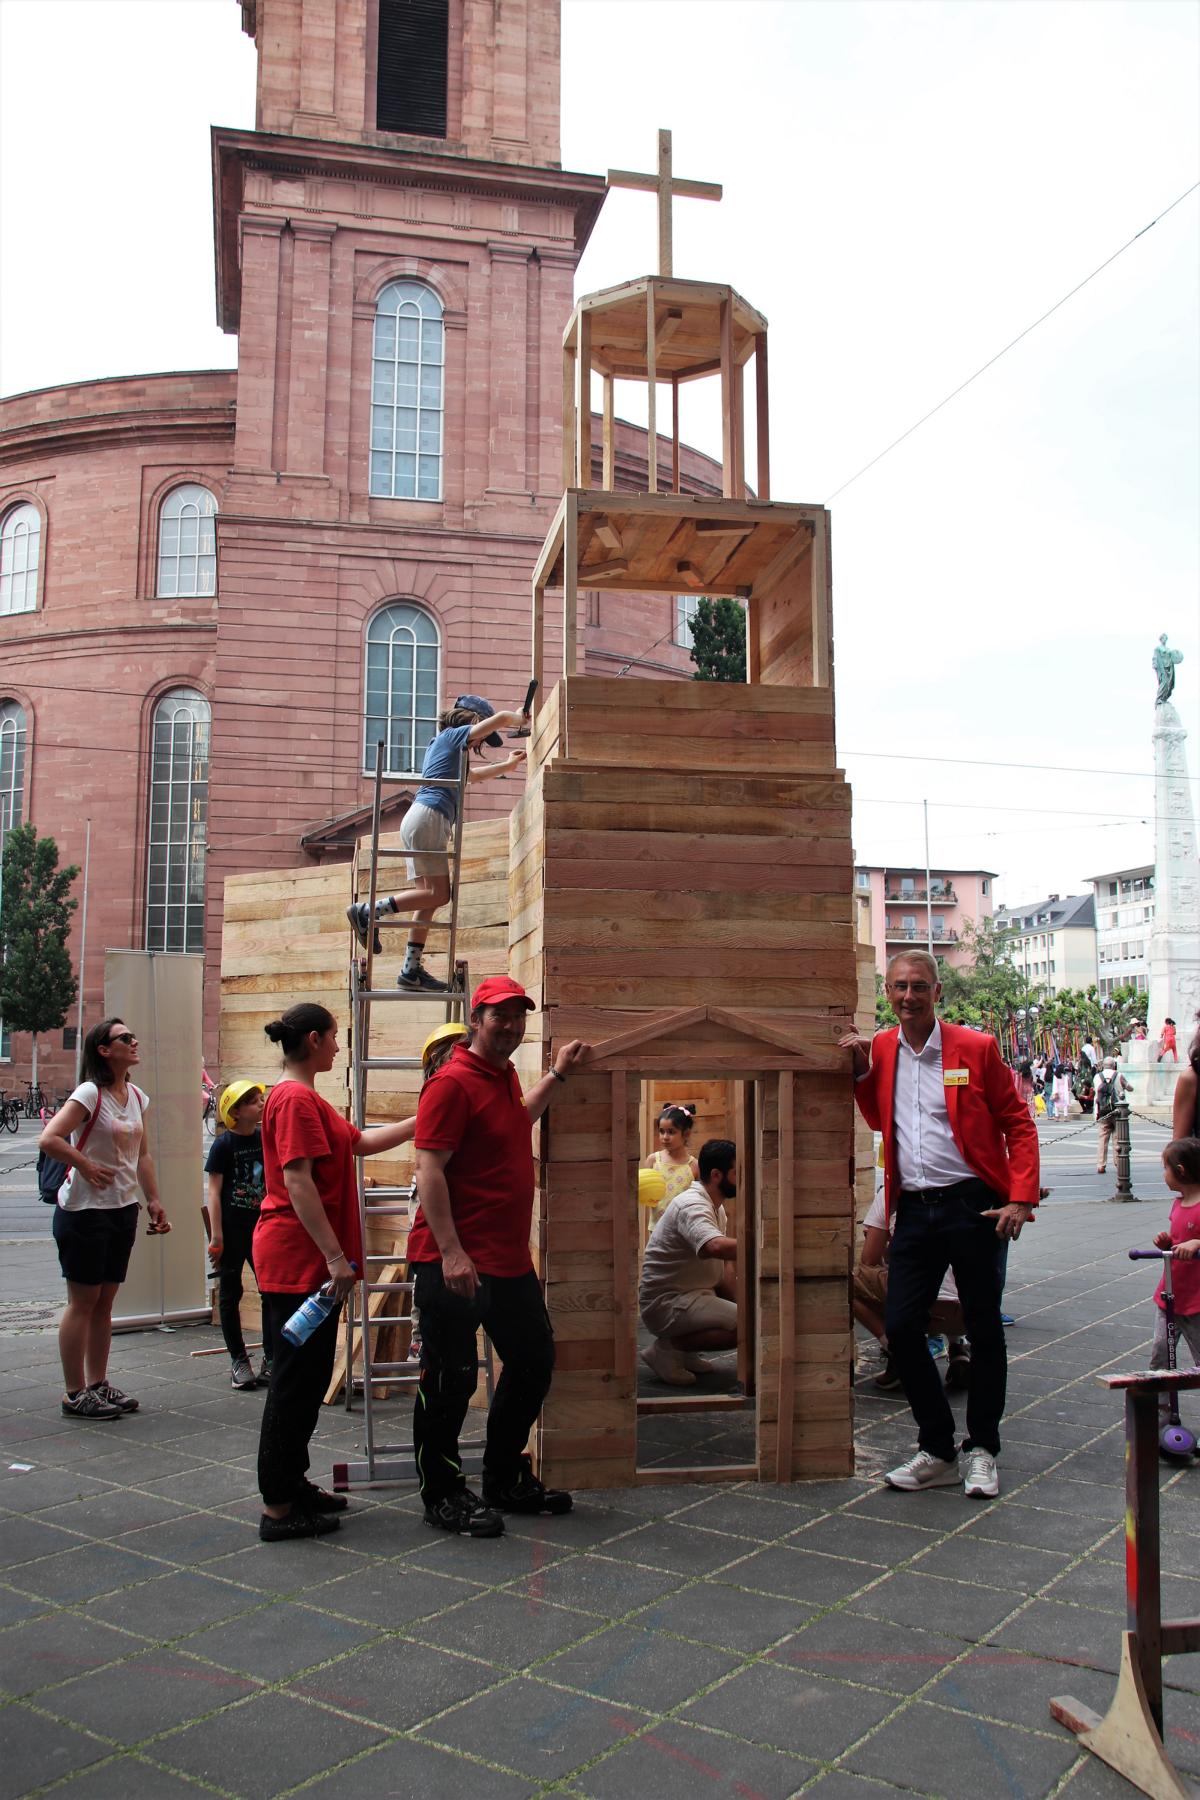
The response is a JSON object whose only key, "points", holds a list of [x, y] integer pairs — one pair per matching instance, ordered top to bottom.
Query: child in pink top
{"points": [[1181, 1171]]}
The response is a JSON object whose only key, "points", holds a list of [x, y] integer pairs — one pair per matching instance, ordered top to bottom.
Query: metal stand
{"points": [[1121, 1149], [1129, 1738]]}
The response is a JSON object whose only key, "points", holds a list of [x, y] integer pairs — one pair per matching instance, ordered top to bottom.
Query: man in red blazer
{"points": [[961, 1176]]}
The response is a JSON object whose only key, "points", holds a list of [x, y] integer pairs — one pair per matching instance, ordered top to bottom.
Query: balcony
{"points": [[941, 894], [917, 934]]}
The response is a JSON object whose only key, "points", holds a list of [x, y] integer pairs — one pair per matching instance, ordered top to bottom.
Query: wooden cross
{"points": [[665, 185]]}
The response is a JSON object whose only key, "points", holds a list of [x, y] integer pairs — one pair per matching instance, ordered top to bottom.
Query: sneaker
{"points": [[359, 916], [420, 981], [666, 1364], [958, 1371], [264, 1373], [242, 1376], [888, 1378], [112, 1396], [87, 1404], [924, 1471], [981, 1481], [525, 1493], [315, 1500], [465, 1514], [297, 1524]]}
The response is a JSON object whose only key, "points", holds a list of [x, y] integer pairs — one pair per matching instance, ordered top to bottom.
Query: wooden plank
{"points": [[651, 393], [728, 417], [569, 422], [675, 434], [608, 440], [583, 455], [762, 473], [570, 646], [787, 1270], [624, 1300], [658, 1476]]}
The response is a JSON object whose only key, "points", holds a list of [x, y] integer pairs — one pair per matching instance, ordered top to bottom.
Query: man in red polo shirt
{"points": [[469, 1251]]}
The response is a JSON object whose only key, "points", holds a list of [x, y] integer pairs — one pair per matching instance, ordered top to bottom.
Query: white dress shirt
{"points": [[926, 1153]]}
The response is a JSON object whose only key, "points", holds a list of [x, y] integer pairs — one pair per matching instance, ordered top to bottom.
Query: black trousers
{"points": [[237, 1229], [933, 1235], [512, 1311], [299, 1377]]}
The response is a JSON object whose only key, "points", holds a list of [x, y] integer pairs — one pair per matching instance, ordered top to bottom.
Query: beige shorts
{"points": [[424, 828], [870, 1286], [701, 1309]]}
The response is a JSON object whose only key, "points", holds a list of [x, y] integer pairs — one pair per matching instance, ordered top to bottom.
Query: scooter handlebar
{"points": [[1148, 1255]]}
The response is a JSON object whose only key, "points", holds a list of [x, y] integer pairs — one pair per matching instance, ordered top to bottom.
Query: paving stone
{"points": [[212, 1484], [43, 1488], [1080, 1499], [652, 1502], [115, 1513], [744, 1515], [1013, 1522], [581, 1529], [198, 1537], [22, 1540], [884, 1542], [671, 1544], [486, 1561], [1020, 1568], [801, 1574], [74, 1575], [599, 1584], [390, 1594], [181, 1601], [15, 1607], [959, 1608], [731, 1619], [515, 1630], [1066, 1634], [277, 1641], [56, 1647], [893, 1657], [638, 1667], [397, 1683], [1005, 1684], [148, 1693], [785, 1708], [535, 1729], [303, 1739], [927, 1749], [37, 1751], [672, 1761], [411, 1770], [126, 1778], [840, 1784]]}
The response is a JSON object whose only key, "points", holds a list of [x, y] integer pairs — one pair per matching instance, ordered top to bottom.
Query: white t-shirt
{"points": [[114, 1141], [877, 1217], [672, 1263]]}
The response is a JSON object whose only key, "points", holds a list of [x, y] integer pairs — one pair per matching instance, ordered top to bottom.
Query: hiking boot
{"points": [[359, 916], [420, 981], [666, 1364], [958, 1369], [242, 1376], [888, 1378], [112, 1396], [87, 1404], [924, 1471], [981, 1481], [524, 1493], [315, 1500], [465, 1514], [297, 1524]]}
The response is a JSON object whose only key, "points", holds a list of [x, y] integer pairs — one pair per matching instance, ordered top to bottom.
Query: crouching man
{"points": [[686, 1295]]}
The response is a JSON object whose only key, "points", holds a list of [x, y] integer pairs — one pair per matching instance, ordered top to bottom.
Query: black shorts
{"points": [[95, 1243]]}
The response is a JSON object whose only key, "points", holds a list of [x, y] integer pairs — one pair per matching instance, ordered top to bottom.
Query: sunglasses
{"points": [[122, 1037]]}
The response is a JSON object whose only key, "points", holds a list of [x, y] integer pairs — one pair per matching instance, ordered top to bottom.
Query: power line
{"points": [[963, 385], [980, 762]]}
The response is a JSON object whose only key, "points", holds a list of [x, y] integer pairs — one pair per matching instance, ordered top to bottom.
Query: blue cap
{"points": [[483, 709]]}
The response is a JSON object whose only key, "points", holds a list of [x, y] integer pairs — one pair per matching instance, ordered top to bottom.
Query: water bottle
{"points": [[313, 1312]]}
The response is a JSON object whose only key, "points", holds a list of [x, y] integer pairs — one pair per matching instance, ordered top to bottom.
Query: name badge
{"points": [[955, 1077]]}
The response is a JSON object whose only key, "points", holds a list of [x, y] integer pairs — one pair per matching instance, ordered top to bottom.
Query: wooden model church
{"points": [[680, 897]]}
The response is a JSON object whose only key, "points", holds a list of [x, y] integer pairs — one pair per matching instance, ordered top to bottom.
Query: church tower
{"points": [[396, 244]]}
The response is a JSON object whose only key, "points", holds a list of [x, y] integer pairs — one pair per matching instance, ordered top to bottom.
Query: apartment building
{"points": [[905, 909], [1124, 915], [1053, 941]]}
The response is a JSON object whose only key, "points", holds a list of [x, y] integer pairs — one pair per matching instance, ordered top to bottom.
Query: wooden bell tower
{"points": [[680, 896]]}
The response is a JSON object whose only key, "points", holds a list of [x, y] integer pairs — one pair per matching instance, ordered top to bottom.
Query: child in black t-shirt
{"points": [[235, 1192]]}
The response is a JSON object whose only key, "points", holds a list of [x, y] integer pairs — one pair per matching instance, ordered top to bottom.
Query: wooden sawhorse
{"points": [[1130, 1735]]}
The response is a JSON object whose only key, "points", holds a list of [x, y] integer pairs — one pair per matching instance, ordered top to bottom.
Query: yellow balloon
{"points": [[651, 1187]]}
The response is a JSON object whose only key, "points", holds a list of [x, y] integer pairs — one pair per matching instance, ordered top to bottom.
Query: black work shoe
{"points": [[360, 917], [420, 982], [958, 1371], [888, 1378], [87, 1404], [525, 1493], [315, 1500], [464, 1513], [298, 1524]]}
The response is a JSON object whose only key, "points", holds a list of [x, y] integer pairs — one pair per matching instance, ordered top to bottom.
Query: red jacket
{"points": [[988, 1120]]}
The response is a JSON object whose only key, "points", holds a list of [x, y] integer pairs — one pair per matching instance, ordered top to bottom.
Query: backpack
{"points": [[1108, 1095], [51, 1173]]}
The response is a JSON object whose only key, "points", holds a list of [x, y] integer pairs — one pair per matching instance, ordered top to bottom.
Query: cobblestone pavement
{"points": [[835, 1639]]}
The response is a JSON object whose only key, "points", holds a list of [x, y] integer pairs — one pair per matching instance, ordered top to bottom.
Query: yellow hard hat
{"points": [[452, 1029], [237, 1090], [651, 1187]]}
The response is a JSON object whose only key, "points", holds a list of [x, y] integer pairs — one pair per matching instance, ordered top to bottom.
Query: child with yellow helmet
{"points": [[236, 1185]]}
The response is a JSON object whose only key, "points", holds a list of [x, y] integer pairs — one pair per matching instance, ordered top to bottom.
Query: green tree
{"points": [[719, 641], [37, 984], [987, 991], [884, 1015], [1109, 1023]]}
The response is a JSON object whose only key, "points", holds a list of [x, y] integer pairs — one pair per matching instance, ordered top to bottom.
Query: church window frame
{"points": [[408, 393], [20, 558], [186, 563], [402, 679], [177, 820]]}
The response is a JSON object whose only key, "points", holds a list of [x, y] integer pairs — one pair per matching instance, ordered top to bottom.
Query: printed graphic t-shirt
{"points": [[114, 1141], [238, 1160]]}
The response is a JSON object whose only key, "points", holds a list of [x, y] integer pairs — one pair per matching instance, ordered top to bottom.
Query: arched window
{"points": [[406, 393], [187, 542], [20, 547], [403, 656], [179, 743], [12, 794]]}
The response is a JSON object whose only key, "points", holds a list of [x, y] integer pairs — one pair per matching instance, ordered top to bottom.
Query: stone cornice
{"points": [[104, 430]]}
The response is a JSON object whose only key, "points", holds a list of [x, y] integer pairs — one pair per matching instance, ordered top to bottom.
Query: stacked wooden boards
{"points": [[680, 897]]}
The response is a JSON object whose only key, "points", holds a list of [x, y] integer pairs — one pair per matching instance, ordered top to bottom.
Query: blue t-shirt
{"points": [[443, 763]]}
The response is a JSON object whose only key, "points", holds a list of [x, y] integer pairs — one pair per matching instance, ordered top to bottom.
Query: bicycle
{"points": [[35, 1099], [10, 1113], [208, 1118]]}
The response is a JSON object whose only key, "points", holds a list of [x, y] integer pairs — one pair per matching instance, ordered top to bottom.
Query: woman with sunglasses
{"points": [[100, 1134]]}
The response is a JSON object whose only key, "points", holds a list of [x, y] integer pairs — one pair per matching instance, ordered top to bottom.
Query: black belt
{"points": [[931, 1195]]}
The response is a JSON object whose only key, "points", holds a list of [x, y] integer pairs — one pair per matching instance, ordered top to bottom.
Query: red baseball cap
{"points": [[496, 990]]}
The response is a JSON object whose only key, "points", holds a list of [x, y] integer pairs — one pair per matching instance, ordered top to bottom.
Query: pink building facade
{"points": [[906, 911]]}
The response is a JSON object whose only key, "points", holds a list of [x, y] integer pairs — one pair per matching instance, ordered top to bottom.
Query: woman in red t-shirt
{"points": [[307, 1238]]}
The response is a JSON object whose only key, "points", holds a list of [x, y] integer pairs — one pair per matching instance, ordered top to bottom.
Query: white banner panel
{"points": [[159, 998]]}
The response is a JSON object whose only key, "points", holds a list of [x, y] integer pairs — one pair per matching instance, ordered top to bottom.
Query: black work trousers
{"points": [[938, 1231], [237, 1237], [512, 1310], [299, 1377]]}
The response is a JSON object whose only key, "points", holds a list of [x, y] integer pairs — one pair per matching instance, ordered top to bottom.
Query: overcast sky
{"points": [[907, 187]]}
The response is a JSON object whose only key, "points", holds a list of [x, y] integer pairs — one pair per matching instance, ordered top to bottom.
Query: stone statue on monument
{"points": [[1164, 662]]}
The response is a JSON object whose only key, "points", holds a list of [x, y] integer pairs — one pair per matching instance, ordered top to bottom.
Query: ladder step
{"points": [[448, 997], [388, 1287], [381, 1370]]}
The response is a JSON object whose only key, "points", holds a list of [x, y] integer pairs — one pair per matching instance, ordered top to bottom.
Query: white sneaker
{"points": [[667, 1364], [924, 1471], [981, 1481]]}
